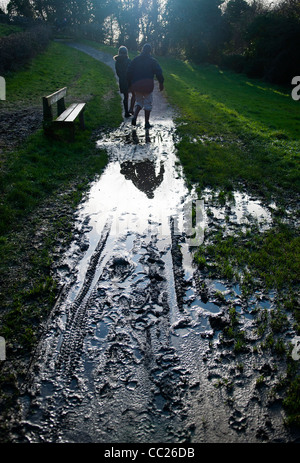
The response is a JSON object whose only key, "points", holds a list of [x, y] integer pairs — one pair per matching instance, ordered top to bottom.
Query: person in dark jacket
{"points": [[121, 65], [141, 73]]}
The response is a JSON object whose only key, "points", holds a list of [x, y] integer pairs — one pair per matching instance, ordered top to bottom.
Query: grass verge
{"points": [[234, 131], [41, 166]]}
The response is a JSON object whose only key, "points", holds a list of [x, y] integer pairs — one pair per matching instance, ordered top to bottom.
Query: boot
{"points": [[132, 102], [125, 103], [136, 112], [147, 117]]}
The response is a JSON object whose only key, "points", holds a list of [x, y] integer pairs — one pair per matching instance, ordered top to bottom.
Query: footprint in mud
{"points": [[120, 268], [238, 421]]}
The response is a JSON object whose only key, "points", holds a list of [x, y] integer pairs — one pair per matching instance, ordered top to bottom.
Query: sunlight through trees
{"points": [[257, 37]]}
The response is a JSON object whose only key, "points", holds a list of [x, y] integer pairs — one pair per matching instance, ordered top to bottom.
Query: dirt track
{"points": [[131, 350]]}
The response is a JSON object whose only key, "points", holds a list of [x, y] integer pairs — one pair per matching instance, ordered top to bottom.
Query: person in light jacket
{"points": [[121, 65], [141, 73]]}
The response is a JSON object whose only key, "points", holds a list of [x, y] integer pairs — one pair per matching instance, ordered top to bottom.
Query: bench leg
{"points": [[81, 120], [72, 132]]}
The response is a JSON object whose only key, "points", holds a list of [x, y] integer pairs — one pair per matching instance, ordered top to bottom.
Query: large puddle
{"points": [[122, 355]]}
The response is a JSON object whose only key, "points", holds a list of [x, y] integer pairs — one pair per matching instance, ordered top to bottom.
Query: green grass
{"points": [[7, 29], [62, 66], [234, 131], [252, 258], [292, 402]]}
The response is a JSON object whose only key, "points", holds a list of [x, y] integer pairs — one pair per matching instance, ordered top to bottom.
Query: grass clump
{"points": [[234, 130], [267, 259], [233, 332], [292, 402]]}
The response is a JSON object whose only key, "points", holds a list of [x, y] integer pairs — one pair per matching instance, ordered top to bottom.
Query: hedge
{"points": [[18, 49]]}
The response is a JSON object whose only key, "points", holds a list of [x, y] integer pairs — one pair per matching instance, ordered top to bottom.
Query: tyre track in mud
{"points": [[72, 339], [127, 354], [134, 377]]}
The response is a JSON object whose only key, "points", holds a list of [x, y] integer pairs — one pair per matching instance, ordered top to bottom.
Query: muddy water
{"points": [[128, 353], [108, 368]]}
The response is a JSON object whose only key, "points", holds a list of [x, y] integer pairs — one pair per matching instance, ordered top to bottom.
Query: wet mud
{"points": [[16, 126], [131, 351]]}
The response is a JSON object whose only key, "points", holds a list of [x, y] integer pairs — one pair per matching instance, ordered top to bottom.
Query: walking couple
{"points": [[137, 77]]}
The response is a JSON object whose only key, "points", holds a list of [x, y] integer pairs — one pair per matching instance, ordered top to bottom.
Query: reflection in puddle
{"points": [[143, 175], [139, 192], [101, 330]]}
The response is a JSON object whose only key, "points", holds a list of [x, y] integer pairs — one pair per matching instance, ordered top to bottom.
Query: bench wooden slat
{"points": [[54, 97], [76, 111], [66, 113], [70, 114]]}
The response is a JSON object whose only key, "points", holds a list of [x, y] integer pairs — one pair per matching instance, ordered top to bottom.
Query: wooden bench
{"points": [[65, 116]]}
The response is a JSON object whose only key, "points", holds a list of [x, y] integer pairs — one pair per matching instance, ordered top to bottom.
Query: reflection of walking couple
{"points": [[137, 77], [143, 175]]}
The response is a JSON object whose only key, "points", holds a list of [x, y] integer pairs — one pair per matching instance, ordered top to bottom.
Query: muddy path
{"points": [[130, 352]]}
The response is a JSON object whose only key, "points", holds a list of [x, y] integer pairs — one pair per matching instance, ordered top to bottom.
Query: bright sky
{"points": [[3, 3]]}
